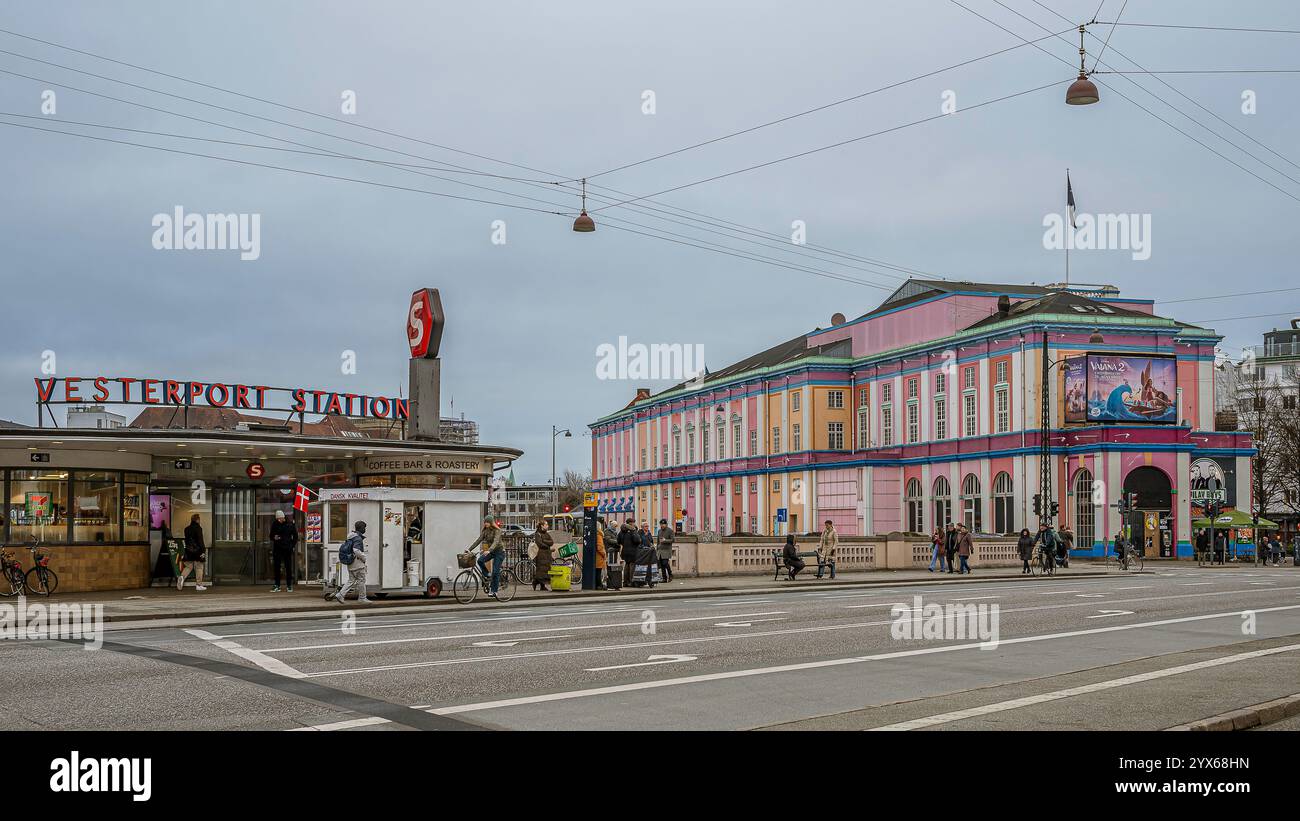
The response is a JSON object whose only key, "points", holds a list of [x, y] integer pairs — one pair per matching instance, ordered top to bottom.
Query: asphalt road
{"points": [[1126, 651]]}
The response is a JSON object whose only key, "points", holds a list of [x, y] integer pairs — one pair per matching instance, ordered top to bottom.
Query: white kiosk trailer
{"points": [[452, 520]]}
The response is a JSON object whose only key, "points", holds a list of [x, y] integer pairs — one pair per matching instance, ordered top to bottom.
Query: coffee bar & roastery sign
{"points": [[103, 390], [423, 464]]}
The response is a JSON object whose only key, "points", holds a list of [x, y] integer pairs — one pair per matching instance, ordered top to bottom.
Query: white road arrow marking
{"points": [[1090, 595], [1108, 613], [743, 623], [513, 642], [649, 662]]}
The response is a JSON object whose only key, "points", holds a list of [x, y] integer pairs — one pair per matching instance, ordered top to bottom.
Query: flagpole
{"points": [[1071, 239]]}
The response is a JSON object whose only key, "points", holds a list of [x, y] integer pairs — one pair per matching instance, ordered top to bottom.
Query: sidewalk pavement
{"points": [[150, 605]]}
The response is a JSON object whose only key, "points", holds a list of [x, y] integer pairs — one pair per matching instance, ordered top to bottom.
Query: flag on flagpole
{"points": [[1069, 199], [301, 498]]}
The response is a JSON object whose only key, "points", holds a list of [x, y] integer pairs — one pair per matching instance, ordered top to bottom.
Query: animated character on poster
{"points": [[1131, 389]]}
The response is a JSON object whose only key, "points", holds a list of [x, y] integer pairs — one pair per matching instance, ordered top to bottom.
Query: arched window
{"points": [[942, 502], [971, 504], [915, 507], [1004, 520], [1085, 521]]}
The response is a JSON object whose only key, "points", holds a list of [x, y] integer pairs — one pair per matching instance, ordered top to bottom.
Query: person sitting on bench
{"points": [[791, 556]]}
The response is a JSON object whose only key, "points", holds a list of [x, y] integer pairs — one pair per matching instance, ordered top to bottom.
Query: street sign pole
{"points": [[590, 575]]}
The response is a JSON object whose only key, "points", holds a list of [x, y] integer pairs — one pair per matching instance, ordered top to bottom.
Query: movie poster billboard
{"points": [[1132, 389], [1076, 390], [1213, 480]]}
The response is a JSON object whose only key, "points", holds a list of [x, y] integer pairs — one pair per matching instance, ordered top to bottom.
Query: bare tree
{"points": [[1262, 411], [572, 486]]}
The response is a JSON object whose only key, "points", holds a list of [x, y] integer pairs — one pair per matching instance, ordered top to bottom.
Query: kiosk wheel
{"points": [[432, 588]]}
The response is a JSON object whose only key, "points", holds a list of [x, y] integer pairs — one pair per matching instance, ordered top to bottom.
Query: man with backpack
{"points": [[1047, 537], [352, 553]]}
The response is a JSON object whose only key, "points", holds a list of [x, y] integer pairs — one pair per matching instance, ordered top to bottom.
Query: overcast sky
{"points": [[559, 87]]}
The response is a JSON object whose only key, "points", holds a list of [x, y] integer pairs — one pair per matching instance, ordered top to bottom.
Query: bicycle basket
{"points": [[465, 559]]}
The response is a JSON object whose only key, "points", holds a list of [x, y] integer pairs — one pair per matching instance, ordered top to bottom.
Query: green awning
{"points": [[1234, 519]]}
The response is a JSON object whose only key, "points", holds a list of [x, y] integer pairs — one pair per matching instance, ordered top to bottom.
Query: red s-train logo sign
{"points": [[424, 323]]}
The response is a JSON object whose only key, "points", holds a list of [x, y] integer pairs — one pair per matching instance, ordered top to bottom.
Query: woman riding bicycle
{"points": [[490, 539]]}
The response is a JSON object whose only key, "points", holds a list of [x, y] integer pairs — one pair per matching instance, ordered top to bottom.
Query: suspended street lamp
{"points": [[1082, 91], [584, 224]]}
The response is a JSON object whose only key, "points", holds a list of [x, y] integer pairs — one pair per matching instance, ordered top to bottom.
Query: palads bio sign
{"points": [[1126, 389], [103, 390]]}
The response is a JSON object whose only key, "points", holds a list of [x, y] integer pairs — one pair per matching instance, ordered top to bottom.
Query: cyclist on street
{"points": [[1047, 538], [490, 539]]}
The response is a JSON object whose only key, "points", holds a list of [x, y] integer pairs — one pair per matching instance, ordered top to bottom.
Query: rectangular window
{"points": [[1002, 373], [968, 377], [940, 382], [913, 388], [886, 392], [863, 397], [835, 399], [794, 400], [969, 405], [1002, 406], [940, 419], [913, 422], [886, 426], [864, 429], [835, 435], [796, 439], [735, 440], [776, 440], [704, 443], [722, 443], [753, 443], [677, 448], [690, 448], [643, 458], [664, 461], [776, 485], [753, 487], [135, 489], [38, 506], [95, 512], [232, 516], [339, 524]]}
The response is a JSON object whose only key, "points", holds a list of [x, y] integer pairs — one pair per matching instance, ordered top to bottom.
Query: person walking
{"points": [[1047, 537], [1065, 537], [1025, 544], [284, 546], [355, 546], [950, 546], [964, 548], [491, 549], [826, 549], [938, 549], [665, 550], [790, 555], [195, 556], [602, 559], [542, 561]]}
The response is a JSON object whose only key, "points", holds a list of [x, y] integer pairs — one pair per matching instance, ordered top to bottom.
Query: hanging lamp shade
{"points": [[1082, 91], [584, 224], [1096, 338]]}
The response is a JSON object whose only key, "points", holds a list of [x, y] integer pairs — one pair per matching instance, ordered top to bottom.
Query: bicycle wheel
{"points": [[1135, 562], [525, 569], [12, 583], [42, 584], [466, 586], [506, 586]]}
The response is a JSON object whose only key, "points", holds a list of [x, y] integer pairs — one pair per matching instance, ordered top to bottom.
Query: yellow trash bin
{"points": [[559, 577]]}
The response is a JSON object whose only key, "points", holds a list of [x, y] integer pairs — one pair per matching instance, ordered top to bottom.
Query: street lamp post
{"points": [[555, 491]]}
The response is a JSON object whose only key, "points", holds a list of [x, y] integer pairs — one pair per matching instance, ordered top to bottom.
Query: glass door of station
{"points": [[240, 551]]}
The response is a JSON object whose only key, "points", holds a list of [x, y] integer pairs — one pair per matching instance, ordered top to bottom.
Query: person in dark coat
{"points": [[629, 542], [1025, 544], [950, 545], [284, 546], [664, 546], [965, 547], [790, 555], [194, 556], [542, 561]]}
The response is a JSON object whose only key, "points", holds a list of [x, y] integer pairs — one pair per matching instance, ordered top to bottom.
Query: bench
{"points": [[778, 562]]}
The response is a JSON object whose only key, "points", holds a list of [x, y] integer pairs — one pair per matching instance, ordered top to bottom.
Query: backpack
{"points": [[346, 551]]}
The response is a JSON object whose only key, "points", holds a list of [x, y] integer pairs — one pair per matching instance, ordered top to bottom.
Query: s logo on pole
{"points": [[424, 320]]}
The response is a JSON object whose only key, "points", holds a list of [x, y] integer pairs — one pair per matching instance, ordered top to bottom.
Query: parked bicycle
{"points": [[1130, 560], [1043, 564], [12, 580], [40, 580], [470, 581]]}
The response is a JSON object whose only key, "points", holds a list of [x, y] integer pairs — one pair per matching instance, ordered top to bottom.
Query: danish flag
{"points": [[301, 498]]}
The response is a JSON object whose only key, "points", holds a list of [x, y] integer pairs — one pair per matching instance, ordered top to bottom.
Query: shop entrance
{"points": [[1150, 525]]}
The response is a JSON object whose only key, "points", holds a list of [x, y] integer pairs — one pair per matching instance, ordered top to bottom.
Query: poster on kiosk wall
{"points": [[1132, 388], [1076, 390]]}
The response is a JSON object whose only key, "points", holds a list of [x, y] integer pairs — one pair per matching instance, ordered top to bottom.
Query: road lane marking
{"points": [[1194, 584], [1144, 587], [1056, 592], [974, 598], [734, 603], [1108, 613], [749, 623], [387, 625], [414, 639], [513, 642], [262, 660], [651, 661], [813, 665], [1096, 687]]}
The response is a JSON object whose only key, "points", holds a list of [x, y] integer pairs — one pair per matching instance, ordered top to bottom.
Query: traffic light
{"points": [[1132, 501], [1038, 504], [567, 507], [1055, 507]]}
